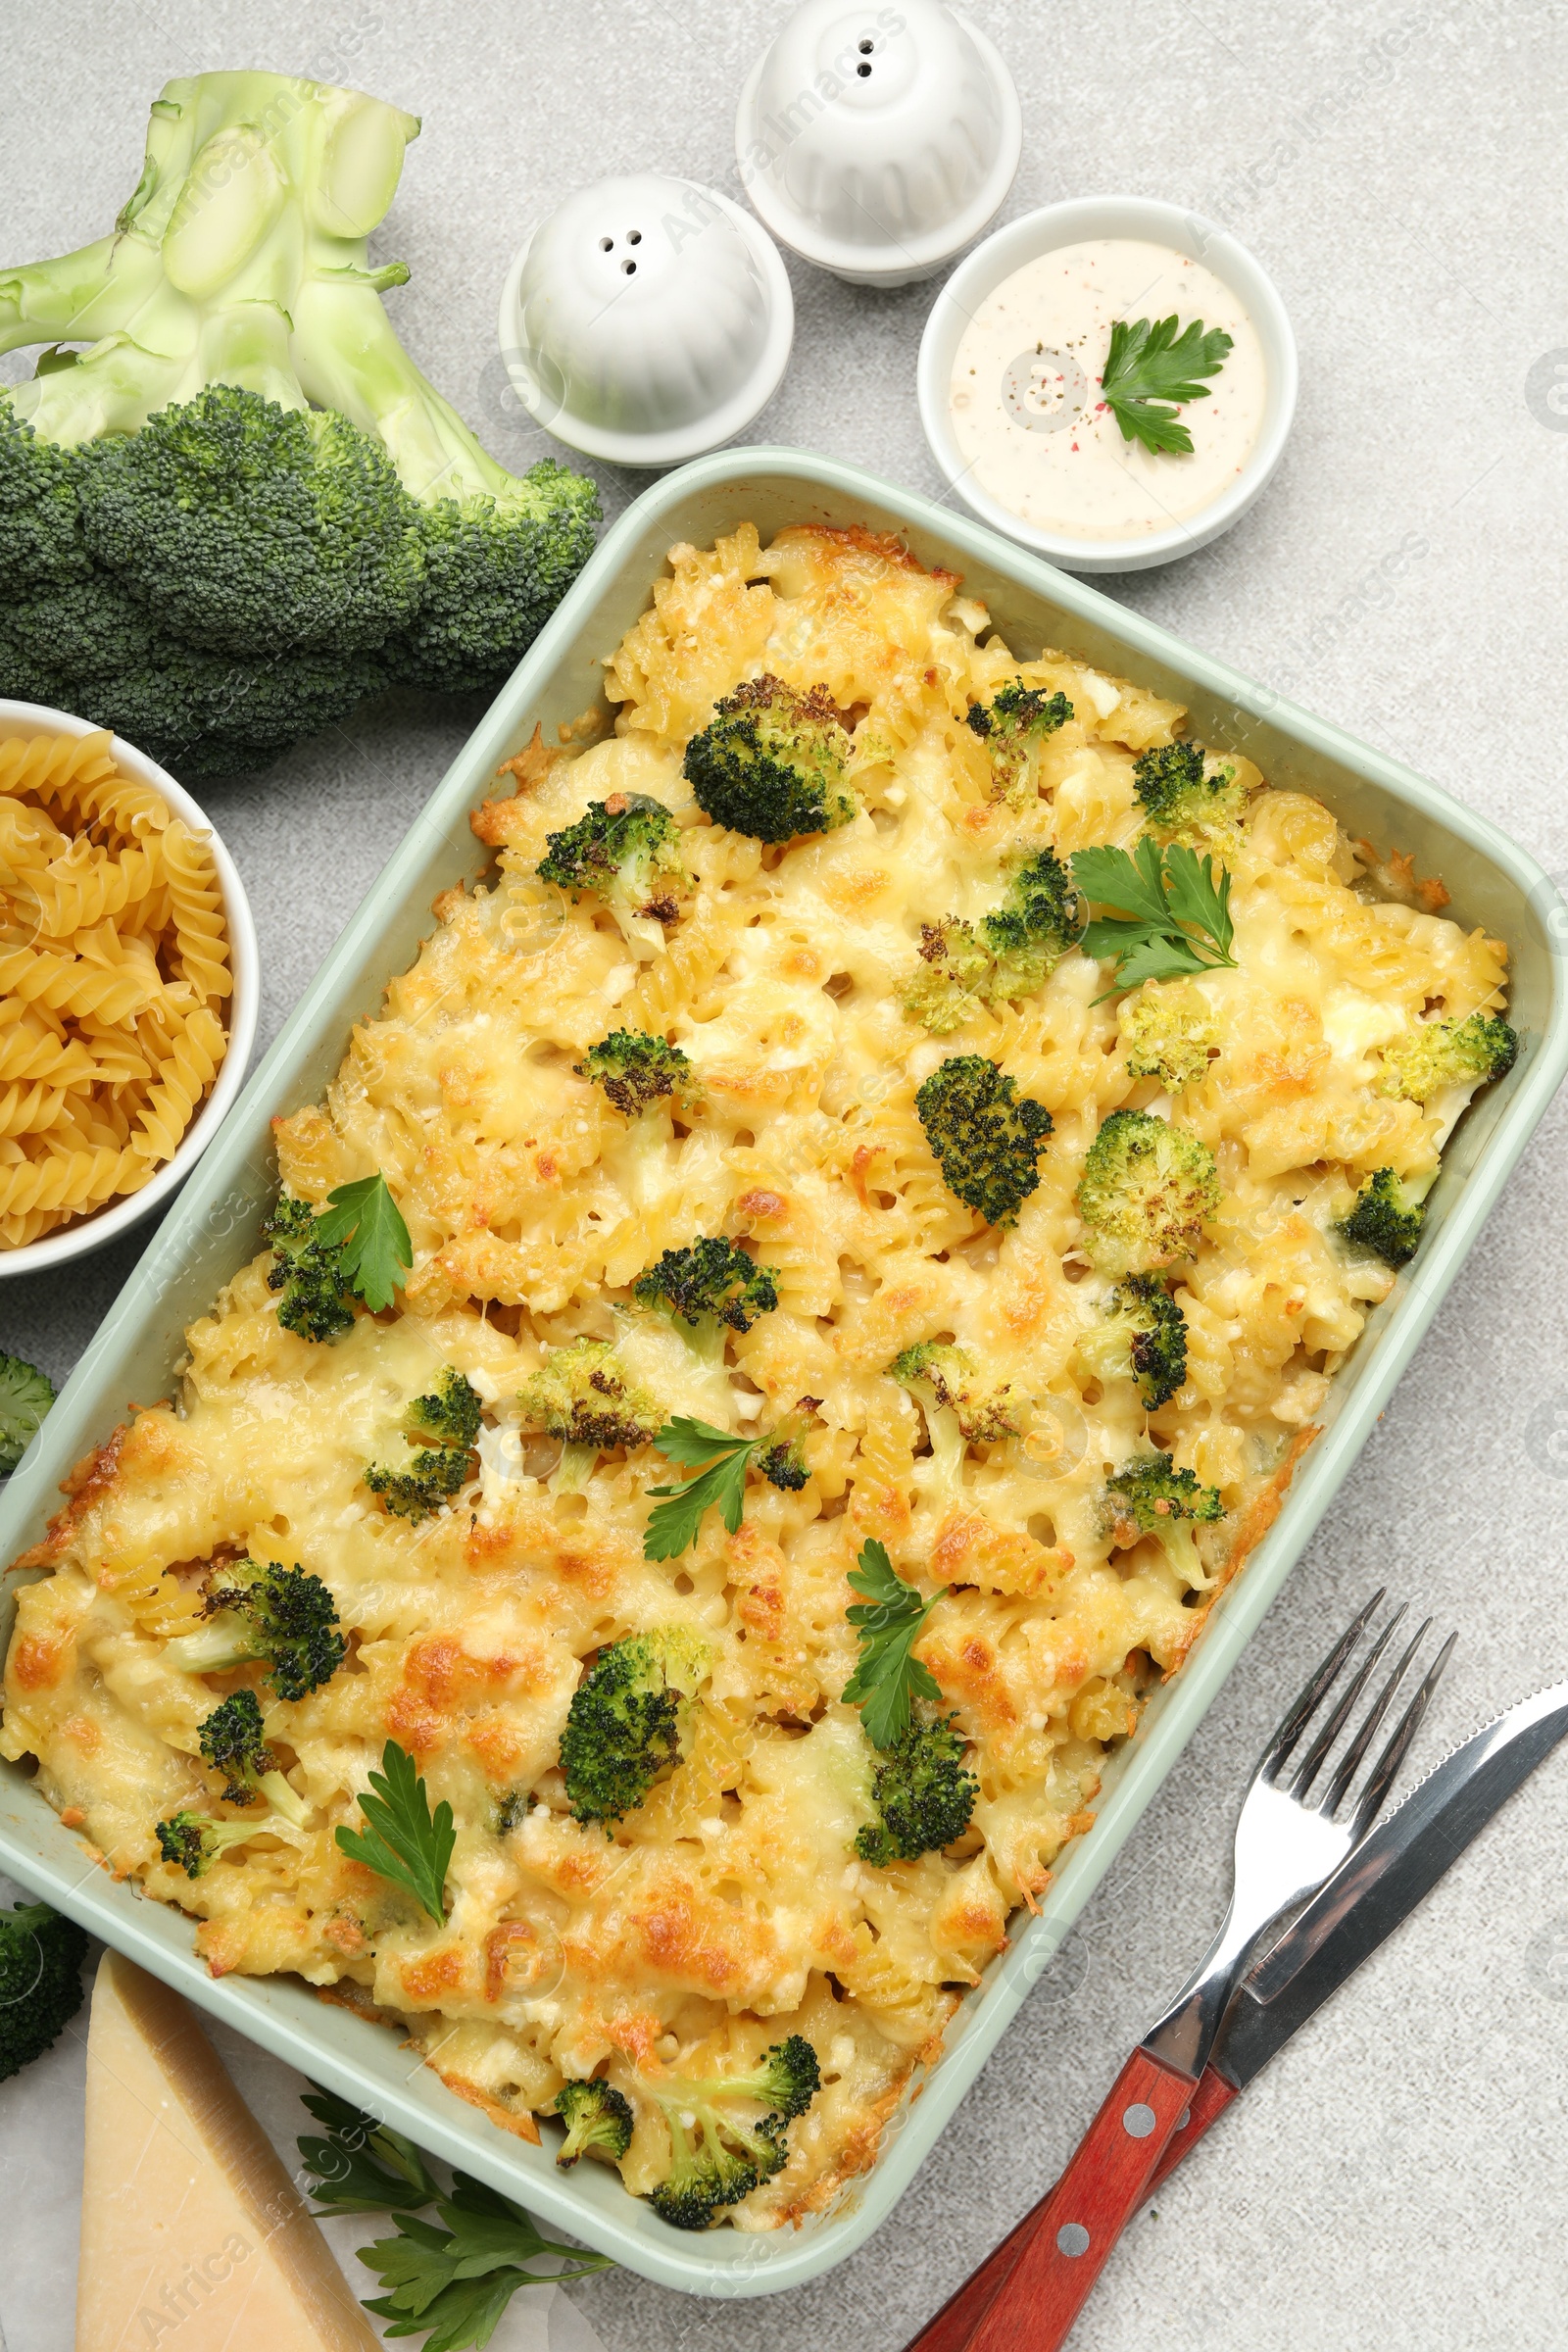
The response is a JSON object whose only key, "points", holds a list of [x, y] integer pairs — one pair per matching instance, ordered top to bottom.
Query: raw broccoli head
{"points": [[40, 527], [495, 566], [1012, 725], [770, 763], [1179, 798], [626, 850], [1036, 925], [948, 984], [1168, 1032], [1436, 1055], [637, 1070], [986, 1138], [1146, 1189], [1385, 1220], [711, 1281], [316, 1301], [1141, 1336], [950, 1379], [582, 1394], [25, 1396], [448, 1417], [781, 1455], [1153, 1497], [280, 1614], [623, 1726], [923, 1792], [194, 1841], [40, 1981], [598, 2120], [718, 2156]]}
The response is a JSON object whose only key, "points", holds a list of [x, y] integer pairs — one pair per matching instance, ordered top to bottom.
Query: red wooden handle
{"points": [[1209, 2103], [1072, 2232]]}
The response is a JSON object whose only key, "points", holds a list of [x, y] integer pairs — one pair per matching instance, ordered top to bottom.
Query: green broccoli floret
{"points": [[266, 510], [1014, 725], [770, 763], [1180, 797], [626, 850], [1033, 929], [948, 984], [1168, 1032], [1436, 1055], [637, 1070], [986, 1138], [1146, 1189], [1385, 1220], [708, 1288], [316, 1302], [1141, 1336], [948, 1379], [583, 1395], [25, 1396], [449, 1417], [781, 1454], [435, 1474], [1153, 1497], [280, 1614], [623, 1726], [231, 1742], [920, 1788], [513, 1810], [194, 1841], [40, 1981], [598, 2120], [716, 2156]]}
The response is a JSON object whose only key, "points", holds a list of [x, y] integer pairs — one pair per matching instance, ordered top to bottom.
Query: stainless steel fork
{"points": [[1292, 1835]]}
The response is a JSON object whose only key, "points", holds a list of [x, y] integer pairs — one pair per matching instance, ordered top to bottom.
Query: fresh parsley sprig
{"points": [[1149, 364], [1176, 913], [365, 1222], [672, 1527], [888, 1621], [402, 1840], [362, 2166]]}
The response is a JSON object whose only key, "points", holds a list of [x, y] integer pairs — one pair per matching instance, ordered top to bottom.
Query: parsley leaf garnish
{"points": [[1149, 363], [1168, 896], [365, 1222], [673, 1525], [888, 1622], [403, 1840], [362, 2166]]}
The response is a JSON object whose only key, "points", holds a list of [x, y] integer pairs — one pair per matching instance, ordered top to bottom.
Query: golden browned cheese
{"points": [[731, 1908]]}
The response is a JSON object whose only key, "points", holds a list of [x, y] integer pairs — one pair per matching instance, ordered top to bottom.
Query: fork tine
{"points": [[1294, 1722], [1392, 1756], [1311, 1764], [1349, 1764]]}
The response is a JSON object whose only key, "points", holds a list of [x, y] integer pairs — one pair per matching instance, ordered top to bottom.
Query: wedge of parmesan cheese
{"points": [[191, 2230]]}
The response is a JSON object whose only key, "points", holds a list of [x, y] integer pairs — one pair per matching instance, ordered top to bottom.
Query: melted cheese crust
{"points": [[732, 1909]]}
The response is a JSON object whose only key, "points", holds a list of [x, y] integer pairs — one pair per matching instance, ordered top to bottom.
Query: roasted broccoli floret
{"points": [[1012, 725], [770, 763], [1181, 798], [626, 850], [1033, 929], [948, 984], [1168, 1031], [1436, 1055], [637, 1070], [986, 1137], [1146, 1189], [1385, 1220], [708, 1288], [316, 1302], [1140, 1336], [946, 1379], [583, 1395], [25, 1396], [448, 1417], [781, 1454], [435, 1474], [1153, 1497], [280, 1614], [624, 1728], [231, 1742], [921, 1791], [513, 1810], [194, 1841], [40, 1981], [597, 2120], [716, 2156]]}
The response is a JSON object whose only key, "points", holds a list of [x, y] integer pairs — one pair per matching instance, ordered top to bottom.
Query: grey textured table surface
{"points": [[1400, 2177]]}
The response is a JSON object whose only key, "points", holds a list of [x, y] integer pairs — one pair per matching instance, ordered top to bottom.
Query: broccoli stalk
{"points": [[1013, 726], [770, 763], [1183, 797], [626, 850], [1435, 1056], [986, 1138], [1146, 1189], [1386, 1221], [708, 1290], [1140, 1336], [583, 1394], [25, 1396], [961, 1409], [442, 1430], [1153, 1497], [280, 1614], [625, 1724], [231, 1742], [924, 1795], [194, 1841], [40, 1981], [598, 2118], [716, 2156]]}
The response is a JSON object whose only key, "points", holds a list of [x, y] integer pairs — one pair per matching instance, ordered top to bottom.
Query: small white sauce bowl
{"points": [[1044, 231], [118, 1217]]}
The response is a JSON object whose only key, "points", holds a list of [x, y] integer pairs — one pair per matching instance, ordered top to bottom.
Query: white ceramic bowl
{"points": [[1057, 224], [118, 1217]]}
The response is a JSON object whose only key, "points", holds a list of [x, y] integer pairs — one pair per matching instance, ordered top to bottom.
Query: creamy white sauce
{"points": [[1026, 384]]}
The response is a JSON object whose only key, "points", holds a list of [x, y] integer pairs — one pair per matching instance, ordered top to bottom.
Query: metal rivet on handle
{"points": [[1184, 2118], [1137, 2121], [1072, 2238]]}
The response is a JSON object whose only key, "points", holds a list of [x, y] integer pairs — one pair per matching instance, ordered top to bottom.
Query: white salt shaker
{"points": [[879, 141]]}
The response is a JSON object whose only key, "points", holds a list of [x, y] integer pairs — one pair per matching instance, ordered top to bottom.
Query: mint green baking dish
{"points": [[213, 1229]]}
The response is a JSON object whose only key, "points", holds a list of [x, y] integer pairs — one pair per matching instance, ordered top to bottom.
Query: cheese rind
{"points": [[191, 2230]]}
